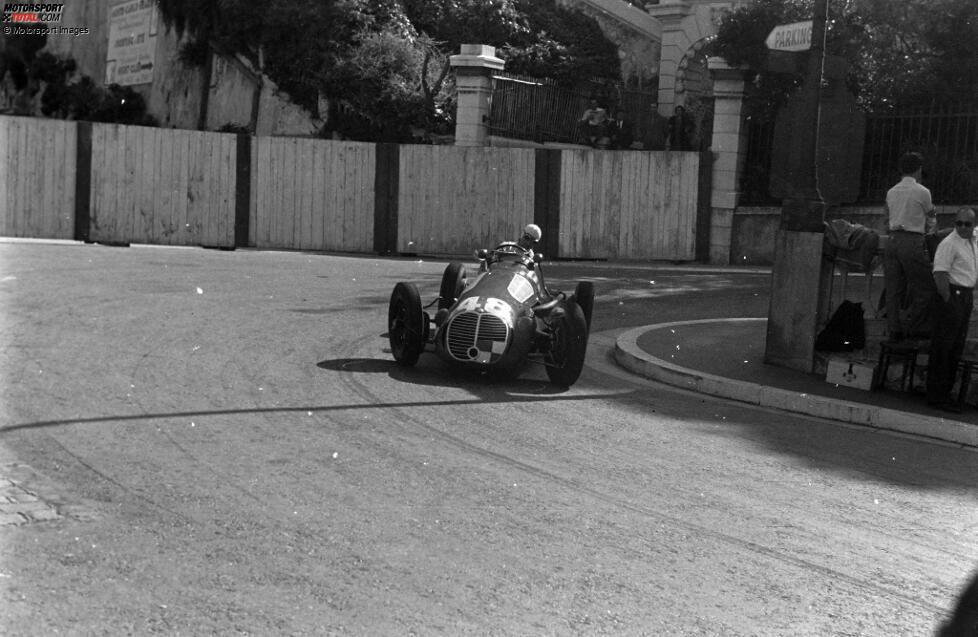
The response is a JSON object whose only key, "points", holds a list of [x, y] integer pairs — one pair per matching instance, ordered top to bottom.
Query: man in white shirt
{"points": [[906, 263], [955, 276]]}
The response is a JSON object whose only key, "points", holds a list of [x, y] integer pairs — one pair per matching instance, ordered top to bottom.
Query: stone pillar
{"points": [[675, 43], [473, 79], [729, 146]]}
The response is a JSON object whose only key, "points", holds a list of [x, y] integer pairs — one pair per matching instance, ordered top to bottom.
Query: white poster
{"points": [[132, 43]]}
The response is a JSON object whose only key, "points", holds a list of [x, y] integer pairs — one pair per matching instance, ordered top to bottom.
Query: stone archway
{"points": [[687, 26], [694, 91]]}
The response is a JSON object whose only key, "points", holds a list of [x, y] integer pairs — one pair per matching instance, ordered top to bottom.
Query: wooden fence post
{"points": [[83, 181], [386, 188], [242, 191], [546, 199]]}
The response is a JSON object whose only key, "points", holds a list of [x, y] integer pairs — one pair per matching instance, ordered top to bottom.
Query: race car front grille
{"points": [[477, 336]]}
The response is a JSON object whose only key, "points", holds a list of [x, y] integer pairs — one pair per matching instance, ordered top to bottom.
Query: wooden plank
{"points": [[227, 144], [102, 152], [131, 152], [183, 158], [368, 162], [228, 163], [113, 164], [305, 164], [12, 165], [258, 168], [6, 175], [97, 176], [65, 177], [344, 180], [164, 184], [273, 184], [20, 186], [317, 186], [197, 187], [150, 192], [220, 192], [259, 193], [327, 193], [29, 197], [215, 197], [352, 199], [271, 201], [213, 205], [212, 208], [278, 211], [45, 222], [50, 222]]}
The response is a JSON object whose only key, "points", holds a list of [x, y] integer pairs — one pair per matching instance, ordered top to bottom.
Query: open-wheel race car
{"points": [[501, 319]]}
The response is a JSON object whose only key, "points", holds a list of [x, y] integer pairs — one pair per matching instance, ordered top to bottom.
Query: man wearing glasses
{"points": [[955, 275]]}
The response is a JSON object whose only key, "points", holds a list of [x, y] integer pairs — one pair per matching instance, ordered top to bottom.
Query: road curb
{"points": [[633, 358]]}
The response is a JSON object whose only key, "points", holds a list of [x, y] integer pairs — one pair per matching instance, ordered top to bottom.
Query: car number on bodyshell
{"points": [[494, 306]]}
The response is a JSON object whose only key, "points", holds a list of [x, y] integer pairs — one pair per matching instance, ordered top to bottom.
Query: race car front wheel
{"points": [[452, 284], [584, 296], [405, 324], [568, 346]]}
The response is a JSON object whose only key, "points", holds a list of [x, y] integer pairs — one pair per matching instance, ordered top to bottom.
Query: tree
{"points": [[908, 52], [384, 64]]}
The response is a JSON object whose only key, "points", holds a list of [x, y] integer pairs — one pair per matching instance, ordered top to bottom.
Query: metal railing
{"points": [[540, 110], [947, 137]]}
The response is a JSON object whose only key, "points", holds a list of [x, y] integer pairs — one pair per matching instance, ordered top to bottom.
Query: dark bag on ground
{"points": [[845, 331]]}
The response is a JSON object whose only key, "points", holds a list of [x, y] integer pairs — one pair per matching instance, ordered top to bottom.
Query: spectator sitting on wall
{"points": [[594, 121], [680, 131]]}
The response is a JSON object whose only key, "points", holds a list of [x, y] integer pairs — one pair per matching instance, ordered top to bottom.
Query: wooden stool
{"points": [[903, 351], [967, 365]]}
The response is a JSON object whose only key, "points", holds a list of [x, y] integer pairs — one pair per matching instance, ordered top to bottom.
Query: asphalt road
{"points": [[220, 443]]}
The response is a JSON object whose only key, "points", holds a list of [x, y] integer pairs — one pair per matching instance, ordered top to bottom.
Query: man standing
{"points": [[680, 130], [906, 263], [955, 276]]}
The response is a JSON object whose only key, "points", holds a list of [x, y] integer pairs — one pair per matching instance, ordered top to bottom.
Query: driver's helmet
{"points": [[531, 235]]}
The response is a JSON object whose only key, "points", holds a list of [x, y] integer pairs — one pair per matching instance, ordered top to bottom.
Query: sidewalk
{"points": [[725, 358]]}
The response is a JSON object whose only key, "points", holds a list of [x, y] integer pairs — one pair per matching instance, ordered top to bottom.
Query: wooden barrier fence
{"points": [[37, 178], [126, 184], [162, 186], [312, 194], [454, 199], [623, 204]]}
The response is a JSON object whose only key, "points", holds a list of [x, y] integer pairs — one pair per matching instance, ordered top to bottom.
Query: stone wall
{"points": [[174, 96], [754, 229]]}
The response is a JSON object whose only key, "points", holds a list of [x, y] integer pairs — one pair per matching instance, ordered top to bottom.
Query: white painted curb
{"points": [[630, 356]]}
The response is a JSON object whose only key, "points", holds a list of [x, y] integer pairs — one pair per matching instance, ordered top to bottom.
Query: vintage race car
{"points": [[502, 319]]}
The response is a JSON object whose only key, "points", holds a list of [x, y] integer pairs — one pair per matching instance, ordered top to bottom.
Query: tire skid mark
{"points": [[406, 418], [195, 460], [126, 489], [675, 521]]}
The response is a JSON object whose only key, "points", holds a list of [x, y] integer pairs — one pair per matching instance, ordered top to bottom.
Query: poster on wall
{"points": [[132, 42]]}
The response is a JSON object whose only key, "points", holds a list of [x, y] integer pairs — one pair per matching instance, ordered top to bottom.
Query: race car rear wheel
{"points": [[452, 284], [584, 296], [406, 324], [568, 346]]}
